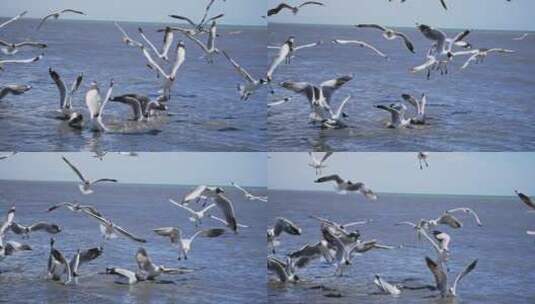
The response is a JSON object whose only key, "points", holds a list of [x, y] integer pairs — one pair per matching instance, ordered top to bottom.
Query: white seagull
{"points": [[293, 9], [56, 14], [13, 19], [390, 34], [167, 42], [361, 44], [13, 48], [285, 54], [479, 55], [19, 61], [251, 84], [14, 89], [65, 97], [96, 105], [419, 105], [397, 115], [318, 163], [85, 185], [343, 186], [248, 195], [196, 216], [282, 224], [110, 230], [184, 244], [83, 257], [58, 265], [151, 271], [441, 277], [386, 287]]}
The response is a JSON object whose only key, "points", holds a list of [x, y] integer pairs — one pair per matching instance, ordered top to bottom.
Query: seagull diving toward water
{"points": [[293, 9], [56, 14], [13, 19], [390, 34], [126, 39], [167, 42], [361, 44], [13, 48], [286, 53], [479, 55], [19, 61], [169, 78], [251, 84], [14, 89], [319, 97], [65, 98], [96, 105], [419, 105], [142, 106], [397, 115], [422, 159], [317, 163], [85, 186], [343, 186], [248, 195], [525, 199], [196, 216], [282, 224], [110, 230], [24, 231], [184, 244], [58, 265], [284, 271], [441, 277], [386, 287]]}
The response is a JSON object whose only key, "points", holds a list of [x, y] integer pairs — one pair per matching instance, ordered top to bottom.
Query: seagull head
{"points": [[219, 190]]}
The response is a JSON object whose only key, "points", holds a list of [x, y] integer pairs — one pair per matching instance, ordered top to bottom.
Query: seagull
{"points": [[294, 9], [56, 15], [13, 19], [199, 27], [390, 34], [522, 37], [126, 39], [167, 42], [361, 44], [442, 44], [13, 48], [209, 48], [286, 53], [479, 55], [19, 61], [431, 64], [170, 78], [251, 84], [14, 89], [319, 97], [65, 98], [96, 105], [419, 105], [142, 106], [397, 115], [335, 121], [7, 155], [422, 158], [317, 163], [85, 185], [343, 186], [196, 194], [249, 195], [525, 199], [223, 203], [75, 207], [468, 211], [196, 216], [6, 224], [281, 225], [40, 226], [337, 226], [109, 230], [443, 240], [184, 244], [12, 247], [441, 248], [308, 253], [83, 257], [342, 257], [58, 264], [149, 270], [284, 271], [128, 277], [441, 277], [386, 287]]}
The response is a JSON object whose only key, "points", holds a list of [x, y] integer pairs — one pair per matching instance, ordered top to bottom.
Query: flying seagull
{"points": [[293, 9], [56, 14], [13, 19], [390, 34], [167, 42], [361, 44], [13, 48], [285, 54], [19, 61], [251, 83], [14, 89], [65, 97], [419, 105], [422, 159], [85, 185], [343, 186], [248, 195], [525, 199], [195, 216], [282, 224], [110, 230], [24, 231], [183, 244], [284, 271], [441, 277]]}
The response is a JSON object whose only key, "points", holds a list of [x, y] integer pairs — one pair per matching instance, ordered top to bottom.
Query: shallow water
{"points": [[487, 107], [207, 112], [229, 269], [503, 274]]}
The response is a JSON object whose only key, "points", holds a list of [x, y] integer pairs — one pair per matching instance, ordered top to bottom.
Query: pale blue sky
{"points": [[242, 12], [472, 14], [153, 168], [449, 173]]}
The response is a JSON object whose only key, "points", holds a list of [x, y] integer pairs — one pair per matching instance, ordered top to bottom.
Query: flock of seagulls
{"points": [[440, 54], [339, 244], [67, 269]]}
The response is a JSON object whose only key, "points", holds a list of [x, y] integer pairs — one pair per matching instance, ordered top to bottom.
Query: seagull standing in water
{"points": [[56, 14], [390, 34], [65, 98], [318, 163], [85, 186], [343, 186], [184, 244], [58, 265], [284, 271], [386, 287]]}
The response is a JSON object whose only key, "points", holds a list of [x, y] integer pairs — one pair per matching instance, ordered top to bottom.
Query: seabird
{"points": [[293, 9], [56, 14], [199, 27], [390, 34], [522, 37], [126, 39], [167, 42], [361, 44], [442, 44], [13, 48], [209, 48], [285, 54], [479, 55], [17, 61], [170, 78], [251, 84], [14, 89], [65, 98], [96, 105], [419, 105], [142, 106], [397, 115], [336, 119], [7, 155], [422, 159], [317, 163], [85, 185], [343, 186], [248, 195], [525, 199], [223, 203], [75, 207], [196, 216], [225, 222], [282, 224], [340, 227], [109, 230], [24, 231], [443, 240], [184, 244], [12, 247], [308, 253], [83, 257], [342, 257], [58, 265], [151, 271], [284, 271], [128, 277], [441, 277], [386, 287]]}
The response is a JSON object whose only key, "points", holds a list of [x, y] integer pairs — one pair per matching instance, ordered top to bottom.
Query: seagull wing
{"points": [[310, 3], [278, 8], [13, 19], [183, 19], [375, 26], [406, 40], [361, 44], [308, 45], [240, 69], [330, 86], [61, 87], [334, 177], [82, 178], [110, 180], [240, 188], [196, 193], [225, 205], [182, 206], [469, 211], [284, 224], [174, 234], [461, 275]]}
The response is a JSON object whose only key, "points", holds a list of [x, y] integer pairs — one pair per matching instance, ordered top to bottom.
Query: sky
{"points": [[237, 12], [469, 14], [247, 169], [448, 173]]}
